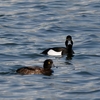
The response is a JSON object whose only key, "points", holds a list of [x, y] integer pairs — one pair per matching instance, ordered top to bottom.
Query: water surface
{"points": [[29, 27]]}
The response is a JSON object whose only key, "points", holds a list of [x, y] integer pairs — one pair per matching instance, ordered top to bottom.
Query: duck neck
{"points": [[69, 49], [46, 67]]}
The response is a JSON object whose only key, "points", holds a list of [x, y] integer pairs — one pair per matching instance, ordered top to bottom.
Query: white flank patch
{"points": [[54, 53]]}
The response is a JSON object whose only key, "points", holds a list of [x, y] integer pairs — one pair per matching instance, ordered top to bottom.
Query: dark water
{"points": [[27, 27]]}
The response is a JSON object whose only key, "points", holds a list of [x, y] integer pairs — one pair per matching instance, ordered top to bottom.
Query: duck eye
{"points": [[49, 62]]}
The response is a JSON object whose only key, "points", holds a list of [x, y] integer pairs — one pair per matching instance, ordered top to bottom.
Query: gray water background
{"points": [[27, 27]]}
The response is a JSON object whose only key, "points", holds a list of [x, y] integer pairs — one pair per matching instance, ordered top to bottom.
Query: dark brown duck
{"points": [[46, 70]]}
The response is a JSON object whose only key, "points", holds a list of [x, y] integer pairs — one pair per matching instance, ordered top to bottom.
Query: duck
{"points": [[58, 51], [45, 70]]}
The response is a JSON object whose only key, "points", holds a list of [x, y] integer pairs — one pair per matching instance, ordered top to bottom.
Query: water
{"points": [[27, 27]]}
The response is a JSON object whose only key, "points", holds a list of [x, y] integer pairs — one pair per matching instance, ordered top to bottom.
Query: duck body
{"points": [[55, 51], [58, 51], [33, 70], [46, 70]]}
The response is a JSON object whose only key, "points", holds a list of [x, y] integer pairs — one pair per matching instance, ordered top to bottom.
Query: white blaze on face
{"points": [[69, 42], [54, 53]]}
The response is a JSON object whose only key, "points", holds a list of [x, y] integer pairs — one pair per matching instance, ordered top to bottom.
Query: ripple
{"points": [[2, 15], [28, 27], [10, 44], [33, 55], [4, 73], [84, 73], [89, 92]]}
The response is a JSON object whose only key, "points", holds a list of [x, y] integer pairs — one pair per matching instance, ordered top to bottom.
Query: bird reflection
{"points": [[69, 56]]}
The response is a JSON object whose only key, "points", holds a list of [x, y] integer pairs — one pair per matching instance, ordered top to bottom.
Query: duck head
{"points": [[68, 41], [48, 64]]}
